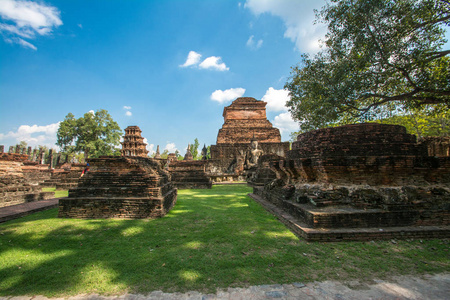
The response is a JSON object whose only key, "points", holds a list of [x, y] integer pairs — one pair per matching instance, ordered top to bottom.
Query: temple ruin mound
{"points": [[245, 121], [366, 176], [120, 187]]}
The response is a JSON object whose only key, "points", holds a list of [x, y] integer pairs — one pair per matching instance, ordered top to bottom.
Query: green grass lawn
{"points": [[58, 194], [211, 239]]}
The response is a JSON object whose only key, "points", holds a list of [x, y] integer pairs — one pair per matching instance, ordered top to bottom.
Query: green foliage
{"points": [[379, 55], [423, 122], [94, 133], [23, 144], [194, 150], [208, 152], [165, 154], [179, 156], [211, 239]]}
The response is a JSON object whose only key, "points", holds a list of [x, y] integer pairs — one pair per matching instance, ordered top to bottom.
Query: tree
{"points": [[379, 55], [423, 122], [95, 134], [194, 149], [165, 154], [179, 156]]}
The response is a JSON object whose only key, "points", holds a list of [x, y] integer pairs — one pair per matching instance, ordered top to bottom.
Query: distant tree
{"points": [[379, 55], [423, 122], [94, 134], [23, 144], [194, 150], [208, 152], [165, 154], [179, 156]]}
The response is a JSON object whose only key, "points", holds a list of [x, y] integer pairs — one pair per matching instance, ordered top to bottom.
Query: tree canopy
{"points": [[378, 55], [94, 133]]}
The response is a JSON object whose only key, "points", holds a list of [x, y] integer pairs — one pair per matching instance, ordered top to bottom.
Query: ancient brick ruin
{"points": [[244, 120], [133, 143], [189, 173], [64, 177], [357, 182], [14, 186], [129, 187]]}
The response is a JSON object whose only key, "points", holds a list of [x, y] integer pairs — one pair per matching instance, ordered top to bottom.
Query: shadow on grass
{"points": [[211, 239]]}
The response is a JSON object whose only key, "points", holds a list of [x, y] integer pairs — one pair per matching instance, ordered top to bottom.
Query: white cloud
{"points": [[298, 17], [27, 19], [16, 40], [26, 44], [252, 44], [192, 59], [213, 62], [227, 95], [276, 99], [127, 107], [91, 111], [128, 114], [285, 123], [34, 135], [149, 147], [171, 147]]}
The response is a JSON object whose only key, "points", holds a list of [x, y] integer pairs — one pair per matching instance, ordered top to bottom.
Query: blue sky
{"points": [[168, 67]]}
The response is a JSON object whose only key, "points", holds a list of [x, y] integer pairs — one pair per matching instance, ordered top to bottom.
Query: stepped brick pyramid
{"points": [[245, 119], [357, 182], [14, 187], [129, 187]]}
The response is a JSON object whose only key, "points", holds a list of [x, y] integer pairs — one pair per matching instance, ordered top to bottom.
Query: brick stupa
{"points": [[244, 120], [133, 143], [132, 186]]}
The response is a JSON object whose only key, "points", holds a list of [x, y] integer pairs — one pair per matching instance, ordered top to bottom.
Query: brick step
{"points": [[131, 179], [190, 179], [69, 180], [47, 184], [193, 185], [66, 186], [13, 189], [114, 192], [23, 198], [349, 217], [302, 230]]}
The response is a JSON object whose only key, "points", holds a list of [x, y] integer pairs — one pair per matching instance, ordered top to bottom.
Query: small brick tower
{"points": [[133, 143]]}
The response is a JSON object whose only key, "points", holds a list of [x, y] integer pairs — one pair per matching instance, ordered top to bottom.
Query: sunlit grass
{"points": [[58, 194], [211, 239]]}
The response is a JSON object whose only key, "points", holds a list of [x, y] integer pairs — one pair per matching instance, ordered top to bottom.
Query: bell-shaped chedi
{"points": [[245, 119], [133, 143]]}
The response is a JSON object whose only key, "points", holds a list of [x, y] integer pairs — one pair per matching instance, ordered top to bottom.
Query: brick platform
{"points": [[358, 177], [120, 187], [302, 229]]}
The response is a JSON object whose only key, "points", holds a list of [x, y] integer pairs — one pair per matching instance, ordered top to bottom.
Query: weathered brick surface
{"points": [[245, 119], [133, 143], [437, 146], [189, 174], [358, 176], [14, 187], [120, 187]]}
